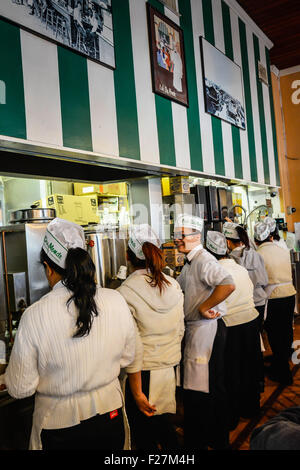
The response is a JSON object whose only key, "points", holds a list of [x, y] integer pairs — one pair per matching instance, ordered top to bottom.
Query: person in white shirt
{"points": [[274, 232], [241, 251], [206, 285], [156, 303], [280, 304], [69, 349], [243, 358]]}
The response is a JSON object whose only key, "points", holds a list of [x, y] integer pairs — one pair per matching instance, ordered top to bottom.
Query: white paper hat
{"points": [[189, 221], [271, 222], [229, 230], [261, 231], [139, 234], [60, 236], [216, 242]]}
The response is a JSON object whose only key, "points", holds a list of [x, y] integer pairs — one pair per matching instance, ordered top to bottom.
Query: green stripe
{"points": [[124, 81], [74, 96], [248, 101], [12, 114], [193, 116], [164, 118], [273, 119], [262, 120], [216, 122], [235, 131]]}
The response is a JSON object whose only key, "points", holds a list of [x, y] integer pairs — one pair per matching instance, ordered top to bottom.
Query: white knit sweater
{"points": [[278, 266], [240, 303], [75, 378]]}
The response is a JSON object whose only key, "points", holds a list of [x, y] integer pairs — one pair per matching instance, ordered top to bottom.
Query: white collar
{"points": [[192, 253], [58, 285]]}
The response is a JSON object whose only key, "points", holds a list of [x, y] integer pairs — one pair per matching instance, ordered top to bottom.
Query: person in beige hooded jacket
{"points": [[156, 303]]}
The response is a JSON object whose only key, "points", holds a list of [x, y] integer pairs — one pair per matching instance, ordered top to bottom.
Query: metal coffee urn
{"points": [[107, 248], [23, 280]]}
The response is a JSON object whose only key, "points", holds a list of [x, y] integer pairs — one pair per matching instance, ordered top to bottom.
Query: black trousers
{"points": [[279, 328], [243, 367], [205, 414], [101, 432], [149, 433]]}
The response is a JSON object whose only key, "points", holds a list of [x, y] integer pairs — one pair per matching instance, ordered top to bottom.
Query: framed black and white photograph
{"points": [[83, 25], [167, 57], [223, 86]]}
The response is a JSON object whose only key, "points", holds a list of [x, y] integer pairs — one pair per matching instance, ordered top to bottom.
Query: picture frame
{"points": [[83, 26], [168, 67], [222, 85]]}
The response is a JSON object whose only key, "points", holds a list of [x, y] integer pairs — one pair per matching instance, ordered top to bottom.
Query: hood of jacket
{"points": [[160, 302]]}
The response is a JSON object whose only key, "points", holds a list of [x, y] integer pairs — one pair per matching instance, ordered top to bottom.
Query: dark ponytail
{"points": [[243, 237], [153, 262], [79, 277]]}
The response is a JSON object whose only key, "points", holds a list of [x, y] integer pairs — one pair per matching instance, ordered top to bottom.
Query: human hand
{"points": [[210, 314], [2, 387], [143, 405]]}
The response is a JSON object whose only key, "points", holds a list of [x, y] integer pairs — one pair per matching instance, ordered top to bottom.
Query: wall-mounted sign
{"points": [[82, 25], [167, 57], [222, 82]]}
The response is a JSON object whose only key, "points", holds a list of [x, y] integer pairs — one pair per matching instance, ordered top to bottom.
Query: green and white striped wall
{"points": [[59, 99]]}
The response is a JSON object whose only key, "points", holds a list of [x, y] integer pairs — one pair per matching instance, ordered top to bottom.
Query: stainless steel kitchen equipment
{"points": [[107, 249], [23, 279]]}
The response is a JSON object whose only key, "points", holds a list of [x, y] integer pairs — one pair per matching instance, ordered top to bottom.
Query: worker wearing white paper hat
{"points": [[274, 233], [206, 285], [156, 302], [280, 305], [69, 348], [243, 358]]}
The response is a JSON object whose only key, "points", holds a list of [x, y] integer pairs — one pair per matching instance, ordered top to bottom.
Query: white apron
{"points": [[269, 289], [200, 336], [162, 389], [45, 406]]}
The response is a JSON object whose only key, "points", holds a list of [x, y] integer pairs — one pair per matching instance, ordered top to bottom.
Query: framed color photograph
{"points": [[82, 25], [167, 57], [223, 87]]}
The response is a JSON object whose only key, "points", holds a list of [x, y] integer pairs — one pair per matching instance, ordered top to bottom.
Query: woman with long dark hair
{"points": [[156, 303], [69, 348]]}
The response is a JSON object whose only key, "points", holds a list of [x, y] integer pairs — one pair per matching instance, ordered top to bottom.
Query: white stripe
{"points": [[238, 59], [41, 90], [145, 97], [255, 108], [103, 109], [267, 109], [205, 118], [180, 124], [226, 126]]}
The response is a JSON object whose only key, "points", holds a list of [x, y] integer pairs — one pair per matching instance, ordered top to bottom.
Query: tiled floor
{"points": [[274, 399]]}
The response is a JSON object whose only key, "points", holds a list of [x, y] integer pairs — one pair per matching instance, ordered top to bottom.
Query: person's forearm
{"points": [[219, 294], [135, 383]]}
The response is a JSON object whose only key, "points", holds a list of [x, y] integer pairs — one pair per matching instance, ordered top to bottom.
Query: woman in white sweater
{"points": [[156, 303], [280, 305], [69, 348], [243, 360]]}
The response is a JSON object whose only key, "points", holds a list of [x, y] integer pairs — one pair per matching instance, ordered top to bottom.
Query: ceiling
{"points": [[280, 21]]}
